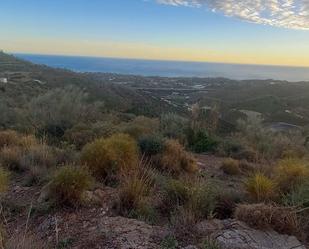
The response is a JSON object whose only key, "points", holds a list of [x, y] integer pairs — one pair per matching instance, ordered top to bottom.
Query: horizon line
{"points": [[159, 60]]}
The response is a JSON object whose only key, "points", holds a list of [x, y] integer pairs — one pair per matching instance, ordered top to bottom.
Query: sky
{"points": [[274, 32]]}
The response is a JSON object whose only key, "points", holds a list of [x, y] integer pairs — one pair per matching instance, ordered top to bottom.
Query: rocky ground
{"points": [[32, 225]]}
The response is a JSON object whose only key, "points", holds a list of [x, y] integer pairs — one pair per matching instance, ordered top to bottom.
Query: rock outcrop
{"points": [[232, 234]]}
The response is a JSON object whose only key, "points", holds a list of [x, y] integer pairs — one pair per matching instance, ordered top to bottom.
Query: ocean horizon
{"points": [[169, 68]]}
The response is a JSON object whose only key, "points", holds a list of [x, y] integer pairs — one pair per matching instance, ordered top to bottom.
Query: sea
{"points": [[169, 68]]}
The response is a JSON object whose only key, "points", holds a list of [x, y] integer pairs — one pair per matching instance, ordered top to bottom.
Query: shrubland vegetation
{"points": [[68, 142]]}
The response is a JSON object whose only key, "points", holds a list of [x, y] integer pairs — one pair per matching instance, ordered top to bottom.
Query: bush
{"points": [[59, 109], [140, 126], [173, 126], [80, 135], [8, 138], [200, 141], [151, 145], [117, 154], [40, 155], [10, 157], [176, 160], [231, 166], [291, 173], [4, 180], [68, 185], [261, 188], [133, 191], [195, 197], [298, 197], [226, 204], [261, 216], [169, 242], [210, 244]]}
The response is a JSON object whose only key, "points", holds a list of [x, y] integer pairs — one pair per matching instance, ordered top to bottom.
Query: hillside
{"points": [[128, 162]]}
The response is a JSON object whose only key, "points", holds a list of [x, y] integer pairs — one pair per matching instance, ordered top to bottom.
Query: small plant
{"points": [[140, 126], [8, 138], [200, 141], [151, 145], [117, 154], [38, 155], [10, 157], [176, 160], [231, 166], [291, 173], [4, 180], [68, 185], [135, 188], [261, 188], [194, 195], [298, 197], [226, 204], [281, 219], [169, 242], [66, 243], [210, 244]]}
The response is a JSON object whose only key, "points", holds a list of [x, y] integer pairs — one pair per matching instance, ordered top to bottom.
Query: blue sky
{"points": [[153, 29]]}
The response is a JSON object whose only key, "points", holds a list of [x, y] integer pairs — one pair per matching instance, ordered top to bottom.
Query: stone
{"points": [[237, 235]]}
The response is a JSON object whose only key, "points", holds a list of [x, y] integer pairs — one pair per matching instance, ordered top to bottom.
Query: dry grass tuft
{"points": [[8, 138], [115, 155], [10, 158], [176, 160], [231, 166], [291, 173], [4, 180], [68, 185], [135, 188], [261, 188], [261, 216]]}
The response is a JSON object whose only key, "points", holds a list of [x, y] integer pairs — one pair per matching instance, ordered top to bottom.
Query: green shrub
{"points": [[173, 126], [200, 141], [151, 145], [115, 155], [176, 160], [231, 166], [4, 180], [68, 185], [261, 188], [196, 197], [298, 197], [169, 242], [210, 244]]}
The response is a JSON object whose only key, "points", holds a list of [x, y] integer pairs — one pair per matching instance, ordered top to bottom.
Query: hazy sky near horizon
{"points": [[230, 31]]}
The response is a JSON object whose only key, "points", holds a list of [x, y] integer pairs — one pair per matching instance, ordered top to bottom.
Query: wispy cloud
{"points": [[292, 14]]}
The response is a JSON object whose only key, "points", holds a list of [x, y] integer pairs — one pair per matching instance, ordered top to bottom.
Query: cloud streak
{"points": [[293, 14]]}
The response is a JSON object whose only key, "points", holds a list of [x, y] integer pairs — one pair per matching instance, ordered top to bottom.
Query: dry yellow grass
{"points": [[8, 138], [117, 154], [10, 157], [176, 160], [231, 166], [290, 173], [4, 180], [68, 185], [261, 188], [261, 216]]}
